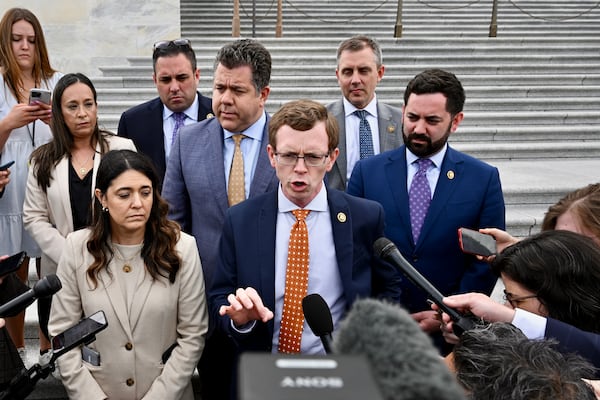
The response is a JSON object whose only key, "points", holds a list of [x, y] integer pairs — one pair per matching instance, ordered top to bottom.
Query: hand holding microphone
{"points": [[387, 250]]}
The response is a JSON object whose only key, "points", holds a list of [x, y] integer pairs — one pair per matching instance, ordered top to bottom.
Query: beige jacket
{"points": [[47, 216], [133, 343]]}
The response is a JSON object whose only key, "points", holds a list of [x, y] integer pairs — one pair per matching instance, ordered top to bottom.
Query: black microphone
{"points": [[387, 250], [43, 288], [318, 316], [402, 358]]}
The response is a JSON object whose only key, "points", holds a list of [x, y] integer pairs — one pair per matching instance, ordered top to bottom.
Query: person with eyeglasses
{"points": [[153, 125], [217, 163], [551, 276], [251, 295]]}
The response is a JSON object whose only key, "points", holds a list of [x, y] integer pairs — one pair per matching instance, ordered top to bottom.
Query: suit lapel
{"points": [[387, 128], [342, 162], [213, 164], [451, 167], [264, 172], [396, 175], [61, 178], [267, 222], [341, 225], [115, 298], [139, 300]]}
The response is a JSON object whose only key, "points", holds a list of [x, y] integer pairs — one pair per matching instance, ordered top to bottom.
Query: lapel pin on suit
{"points": [[210, 115], [391, 127], [450, 174], [341, 217]]}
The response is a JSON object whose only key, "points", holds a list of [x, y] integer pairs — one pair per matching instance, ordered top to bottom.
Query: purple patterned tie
{"points": [[179, 119], [419, 197]]}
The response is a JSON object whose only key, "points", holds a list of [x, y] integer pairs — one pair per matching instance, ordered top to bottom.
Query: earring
{"points": [[105, 209]]}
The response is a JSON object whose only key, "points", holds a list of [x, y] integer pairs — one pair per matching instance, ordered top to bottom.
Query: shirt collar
{"points": [[371, 108], [191, 112], [254, 131], [437, 158], [319, 203]]}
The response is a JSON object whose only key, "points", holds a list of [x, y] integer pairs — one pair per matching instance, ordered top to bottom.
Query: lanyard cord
{"points": [[32, 134]]}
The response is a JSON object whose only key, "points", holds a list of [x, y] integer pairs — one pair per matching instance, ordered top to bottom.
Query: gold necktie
{"points": [[236, 192], [296, 285]]}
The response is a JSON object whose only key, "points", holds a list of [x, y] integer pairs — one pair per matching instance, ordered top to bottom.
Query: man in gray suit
{"points": [[359, 114], [200, 170]]}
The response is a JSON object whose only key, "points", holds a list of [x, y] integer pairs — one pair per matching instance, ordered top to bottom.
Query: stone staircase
{"points": [[533, 92]]}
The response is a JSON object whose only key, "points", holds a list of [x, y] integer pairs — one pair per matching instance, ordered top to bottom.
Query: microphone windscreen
{"points": [[381, 246], [47, 286], [317, 314], [404, 362]]}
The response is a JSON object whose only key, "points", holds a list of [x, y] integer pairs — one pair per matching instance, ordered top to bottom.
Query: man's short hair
{"points": [[359, 42], [172, 50], [247, 52], [438, 81], [302, 115]]}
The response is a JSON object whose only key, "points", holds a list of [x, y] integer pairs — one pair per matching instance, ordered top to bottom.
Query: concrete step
{"points": [[321, 67], [491, 82]]}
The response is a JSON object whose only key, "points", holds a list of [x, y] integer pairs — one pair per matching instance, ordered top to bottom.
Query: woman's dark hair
{"points": [[42, 71], [46, 157], [161, 236], [563, 269]]}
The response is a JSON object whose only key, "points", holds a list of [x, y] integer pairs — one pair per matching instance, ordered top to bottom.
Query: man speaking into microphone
{"points": [[303, 238]]}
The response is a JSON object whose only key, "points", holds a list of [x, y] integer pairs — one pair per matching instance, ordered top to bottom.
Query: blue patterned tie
{"points": [[179, 119], [364, 135], [419, 197]]}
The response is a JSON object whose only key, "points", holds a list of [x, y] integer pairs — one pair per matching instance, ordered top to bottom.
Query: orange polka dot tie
{"points": [[236, 191], [296, 285]]}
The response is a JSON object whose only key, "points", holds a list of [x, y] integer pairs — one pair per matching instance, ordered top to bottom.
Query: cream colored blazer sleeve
{"points": [[192, 325]]}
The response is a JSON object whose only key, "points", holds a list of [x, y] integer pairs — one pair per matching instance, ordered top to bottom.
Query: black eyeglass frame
{"points": [[322, 159], [514, 301]]}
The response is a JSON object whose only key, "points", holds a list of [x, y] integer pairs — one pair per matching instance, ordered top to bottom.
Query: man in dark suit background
{"points": [[359, 70], [151, 124], [199, 173], [462, 192], [246, 295]]}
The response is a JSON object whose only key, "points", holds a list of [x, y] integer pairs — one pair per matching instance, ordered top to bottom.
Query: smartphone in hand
{"points": [[41, 95], [475, 242], [11, 264]]}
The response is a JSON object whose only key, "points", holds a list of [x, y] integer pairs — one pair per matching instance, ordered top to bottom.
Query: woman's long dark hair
{"points": [[46, 157], [161, 236], [563, 269]]}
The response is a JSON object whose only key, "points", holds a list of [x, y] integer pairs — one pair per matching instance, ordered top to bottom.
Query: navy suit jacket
{"points": [[144, 125], [195, 186], [468, 194], [247, 256], [573, 340]]}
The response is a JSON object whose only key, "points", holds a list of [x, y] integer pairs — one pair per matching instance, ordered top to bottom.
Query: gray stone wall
{"points": [[84, 34]]}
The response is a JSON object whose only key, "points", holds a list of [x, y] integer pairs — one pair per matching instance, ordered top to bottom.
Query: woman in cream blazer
{"points": [[63, 168], [47, 209], [145, 274]]}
